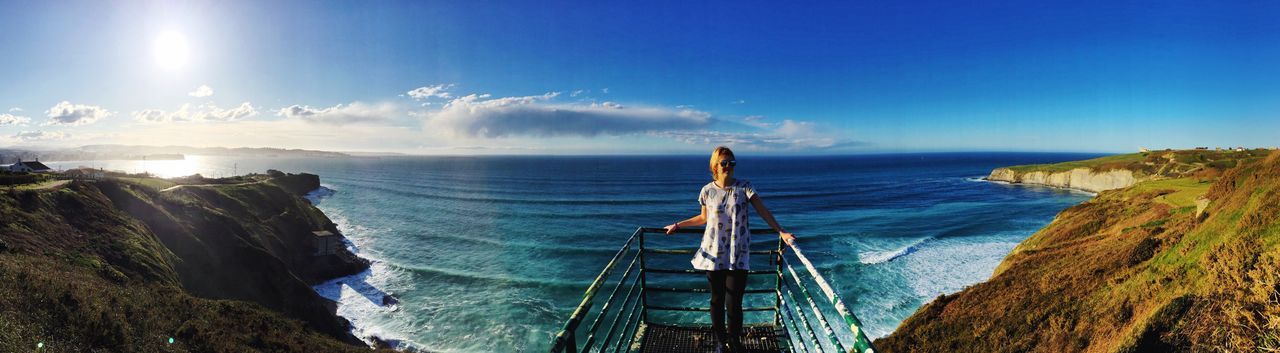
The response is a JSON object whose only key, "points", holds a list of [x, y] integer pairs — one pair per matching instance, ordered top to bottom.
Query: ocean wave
{"points": [[439, 185], [319, 194], [597, 202], [602, 251], [879, 257], [470, 276], [361, 302]]}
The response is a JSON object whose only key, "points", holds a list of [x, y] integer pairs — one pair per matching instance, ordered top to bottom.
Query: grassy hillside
{"points": [[1174, 164], [119, 266], [1133, 270]]}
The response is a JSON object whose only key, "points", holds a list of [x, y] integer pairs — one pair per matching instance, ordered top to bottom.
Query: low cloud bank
{"points": [[200, 113], [353, 113], [476, 116]]}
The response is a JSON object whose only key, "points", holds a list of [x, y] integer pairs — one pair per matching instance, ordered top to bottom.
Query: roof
{"points": [[36, 165]]}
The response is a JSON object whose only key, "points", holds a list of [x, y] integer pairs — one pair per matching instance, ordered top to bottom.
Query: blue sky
{"points": [[596, 77]]}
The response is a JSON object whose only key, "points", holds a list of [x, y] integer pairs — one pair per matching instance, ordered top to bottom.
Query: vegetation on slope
{"points": [[1168, 164], [118, 266], [1133, 270]]}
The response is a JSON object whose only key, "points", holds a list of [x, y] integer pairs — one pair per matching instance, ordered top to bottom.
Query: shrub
{"points": [[1143, 251]]}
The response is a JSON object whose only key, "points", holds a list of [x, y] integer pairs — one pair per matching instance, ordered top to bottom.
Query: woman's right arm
{"points": [[698, 220]]}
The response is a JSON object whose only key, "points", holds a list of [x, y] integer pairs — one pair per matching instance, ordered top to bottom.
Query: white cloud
{"points": [[605, 90], [202, 91], [425, 92], [576, 93], [740, 101], [15, 109], [65, 113], [201, 113], [353, 113], [214, 114], [151, 116], [474, 116], [10, 119], [757, 122], [792, 128], [281, 133], [40, 135], [787, 135]]}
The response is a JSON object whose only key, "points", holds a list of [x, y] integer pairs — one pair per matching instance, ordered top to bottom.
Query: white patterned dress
{"points": [[727, 239]]}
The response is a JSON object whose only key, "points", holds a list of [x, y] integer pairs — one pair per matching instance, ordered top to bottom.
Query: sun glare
{"points": [[170, 50]]}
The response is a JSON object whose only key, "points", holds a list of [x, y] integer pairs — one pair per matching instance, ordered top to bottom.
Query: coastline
{"points": [[1083, 179], [1066, 188], [1141, 268], [353, 293]]}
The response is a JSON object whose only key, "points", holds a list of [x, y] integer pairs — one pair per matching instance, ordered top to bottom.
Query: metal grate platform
{"points": [[621, 321], [681, 339]]}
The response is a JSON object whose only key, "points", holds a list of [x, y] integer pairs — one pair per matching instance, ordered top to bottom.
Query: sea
{"points": [[493, 253]]}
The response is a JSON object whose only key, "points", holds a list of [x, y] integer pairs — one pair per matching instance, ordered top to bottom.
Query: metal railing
{"points": [[799, 327]]}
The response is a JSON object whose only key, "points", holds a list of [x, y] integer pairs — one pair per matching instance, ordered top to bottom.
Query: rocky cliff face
{"points": [[1079, 178], [115, 265], [1174, 265]]}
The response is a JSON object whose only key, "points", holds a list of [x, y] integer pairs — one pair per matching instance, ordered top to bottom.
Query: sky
{"points": [[552, 77]]}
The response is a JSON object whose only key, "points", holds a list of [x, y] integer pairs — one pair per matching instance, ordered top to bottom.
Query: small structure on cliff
{"points": [[29, 167], [85, 174], [326, 243]]}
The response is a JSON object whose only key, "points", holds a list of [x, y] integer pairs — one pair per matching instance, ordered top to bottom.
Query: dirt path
{"points": [[48, 185], [171, 188]]}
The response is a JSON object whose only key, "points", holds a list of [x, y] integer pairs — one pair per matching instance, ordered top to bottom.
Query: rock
{"points": [[1079, 178], [297, 184], [1202, 203]]}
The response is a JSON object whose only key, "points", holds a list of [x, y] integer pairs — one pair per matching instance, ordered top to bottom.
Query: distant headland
{"points": [[133, 152], [1125, 170]]}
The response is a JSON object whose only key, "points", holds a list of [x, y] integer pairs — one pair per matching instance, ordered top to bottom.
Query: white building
{"points": [[29, 167]]}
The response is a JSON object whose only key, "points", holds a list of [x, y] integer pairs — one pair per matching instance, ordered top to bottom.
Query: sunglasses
{"points": [[728, 163]]}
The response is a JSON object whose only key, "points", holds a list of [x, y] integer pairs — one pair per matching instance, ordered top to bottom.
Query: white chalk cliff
{"points": [[1080, 178]]}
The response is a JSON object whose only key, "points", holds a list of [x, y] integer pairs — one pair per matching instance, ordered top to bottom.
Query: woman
{"points": [[724, 252]]}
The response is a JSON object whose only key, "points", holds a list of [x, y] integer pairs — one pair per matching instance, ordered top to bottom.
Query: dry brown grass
{"points": [[1128, 272]]}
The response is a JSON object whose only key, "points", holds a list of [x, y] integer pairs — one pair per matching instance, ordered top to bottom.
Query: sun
{"points": [[170, 50]]}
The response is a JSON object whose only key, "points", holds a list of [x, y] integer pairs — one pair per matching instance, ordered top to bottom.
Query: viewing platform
{"points": [[785, 310]]}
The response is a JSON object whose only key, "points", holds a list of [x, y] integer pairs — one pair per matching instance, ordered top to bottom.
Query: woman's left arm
{"points": [[768, 218]]}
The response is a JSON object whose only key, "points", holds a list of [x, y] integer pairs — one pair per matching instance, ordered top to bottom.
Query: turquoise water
{"points": [[492, 254]]}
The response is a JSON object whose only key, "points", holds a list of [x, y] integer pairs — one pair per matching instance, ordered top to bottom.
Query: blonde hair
{"points": [[718, 153]]}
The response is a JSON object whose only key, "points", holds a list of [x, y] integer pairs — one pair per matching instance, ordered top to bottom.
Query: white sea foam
{"points": [[319, 194], [877, 257], [360, 298]]}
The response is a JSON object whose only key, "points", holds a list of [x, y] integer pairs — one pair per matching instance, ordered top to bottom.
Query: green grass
{"points": [[1088, 163], [1174, 164], [153, 183], [42, 184], [1181, 192], [1132, 270]]}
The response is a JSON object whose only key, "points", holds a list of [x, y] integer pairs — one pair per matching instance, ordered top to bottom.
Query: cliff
{"points": [[1121, 171], [1080, 178], [1186, 264], [118, 265]]}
